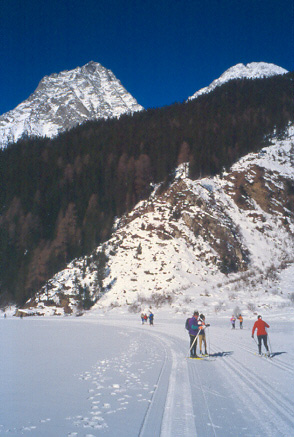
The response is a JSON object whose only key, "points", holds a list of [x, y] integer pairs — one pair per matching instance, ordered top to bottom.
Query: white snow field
{"points": [[107, 375]]}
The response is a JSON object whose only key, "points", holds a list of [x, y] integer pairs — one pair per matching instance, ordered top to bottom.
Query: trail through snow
{"points": [[109, 375]]}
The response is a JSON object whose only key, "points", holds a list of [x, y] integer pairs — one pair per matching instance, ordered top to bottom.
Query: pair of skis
{"points": [[265, 355], [201, 357]]}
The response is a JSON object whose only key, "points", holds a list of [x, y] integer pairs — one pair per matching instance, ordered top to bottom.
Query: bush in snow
{"points": [[155, 300], [218, 307], [251, 307]]}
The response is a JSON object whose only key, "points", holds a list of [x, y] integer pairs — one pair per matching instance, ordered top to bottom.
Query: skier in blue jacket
{"points": [[193, 329]]}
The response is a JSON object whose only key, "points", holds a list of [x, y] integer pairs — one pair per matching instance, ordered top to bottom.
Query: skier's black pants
{"points": [[264, 338], [193, 350]]}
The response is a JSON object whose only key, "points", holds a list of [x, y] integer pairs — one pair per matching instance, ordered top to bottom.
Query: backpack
{"points": [[187, 326]]}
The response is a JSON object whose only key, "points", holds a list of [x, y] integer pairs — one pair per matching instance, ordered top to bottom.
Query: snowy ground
{"points": [[107, 375]]}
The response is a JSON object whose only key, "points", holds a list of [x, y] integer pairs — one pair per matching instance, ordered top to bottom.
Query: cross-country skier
{"points": [[151, 318], [233, 321], [241, 321], [260, 325], [193, 328], [202, 338]]}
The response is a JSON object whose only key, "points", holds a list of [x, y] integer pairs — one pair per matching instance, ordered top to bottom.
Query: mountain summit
{"points": [[254, 70], [62, 101]]}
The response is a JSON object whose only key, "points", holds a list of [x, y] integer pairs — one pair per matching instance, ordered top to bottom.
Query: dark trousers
{"points": [[264, 339], [193, 350]]}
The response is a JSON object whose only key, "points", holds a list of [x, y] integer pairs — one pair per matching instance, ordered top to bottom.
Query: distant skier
{"points": [[142, 318], [151, 318], [233, 321], [241, 321], [193, 325], [260, 325], [202, 337]]}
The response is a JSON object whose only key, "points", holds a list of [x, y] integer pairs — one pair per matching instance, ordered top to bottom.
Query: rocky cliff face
{"points": [[64, 100], [209, 241]]}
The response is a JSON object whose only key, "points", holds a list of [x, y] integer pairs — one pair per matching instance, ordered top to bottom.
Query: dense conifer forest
{"points": [[59, 197]]}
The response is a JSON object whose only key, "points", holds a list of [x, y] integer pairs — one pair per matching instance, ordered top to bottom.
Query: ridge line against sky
{"points": [[162, 51]]}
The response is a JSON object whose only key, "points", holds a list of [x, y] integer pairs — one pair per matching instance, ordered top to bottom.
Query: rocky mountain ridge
{"points": [[62, 101], [211, 241]]}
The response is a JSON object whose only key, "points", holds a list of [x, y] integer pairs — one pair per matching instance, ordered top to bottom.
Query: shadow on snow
{"points": [[221, 354]]}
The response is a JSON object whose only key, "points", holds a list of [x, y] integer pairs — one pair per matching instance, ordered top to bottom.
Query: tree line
{"points": [[59, 197]]}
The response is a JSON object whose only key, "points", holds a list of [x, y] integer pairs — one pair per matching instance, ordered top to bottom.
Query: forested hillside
{"points": [[59, 197]]}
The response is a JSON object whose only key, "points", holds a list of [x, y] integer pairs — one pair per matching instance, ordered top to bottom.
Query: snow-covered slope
{"points": [[254, 70], [64, 100], [209, 241]]}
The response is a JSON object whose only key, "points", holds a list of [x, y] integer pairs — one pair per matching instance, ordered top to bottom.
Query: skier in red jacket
{"points": [[260, 325]]}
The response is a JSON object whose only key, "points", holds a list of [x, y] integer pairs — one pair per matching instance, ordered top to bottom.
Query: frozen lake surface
{"points": [[109, 376]]}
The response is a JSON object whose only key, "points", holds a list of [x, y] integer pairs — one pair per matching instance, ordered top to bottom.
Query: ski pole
{"points": [[195, 339], [255, 341], [208, 343], [269, 343]]}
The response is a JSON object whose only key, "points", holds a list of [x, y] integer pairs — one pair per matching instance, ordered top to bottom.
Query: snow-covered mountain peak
{"points": [[91, 66], [254, 70], [64, 100]]}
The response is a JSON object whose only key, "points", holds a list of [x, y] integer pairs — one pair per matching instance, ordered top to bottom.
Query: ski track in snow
{"points": [[277, 362], [150, 389], [266, 401], [272, 409], [178, 417]]}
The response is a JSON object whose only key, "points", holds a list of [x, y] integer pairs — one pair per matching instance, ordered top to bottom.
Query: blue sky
{"points": [[162, 51]]}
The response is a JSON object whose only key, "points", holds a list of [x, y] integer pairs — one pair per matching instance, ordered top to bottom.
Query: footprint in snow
{"points": [[28, 428]]}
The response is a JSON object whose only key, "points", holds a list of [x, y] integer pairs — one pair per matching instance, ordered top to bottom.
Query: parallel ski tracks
{"points": [[277, 362], [172, 395], [267, 401], [209, 415], [147, 426]]}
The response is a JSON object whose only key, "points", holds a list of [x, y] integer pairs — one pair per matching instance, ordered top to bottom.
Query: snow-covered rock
{"points": [[254, 70], [64, 100], [211, 241]]}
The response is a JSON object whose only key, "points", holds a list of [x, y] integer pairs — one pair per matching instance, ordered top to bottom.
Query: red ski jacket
{"points": [[260, 325]]}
